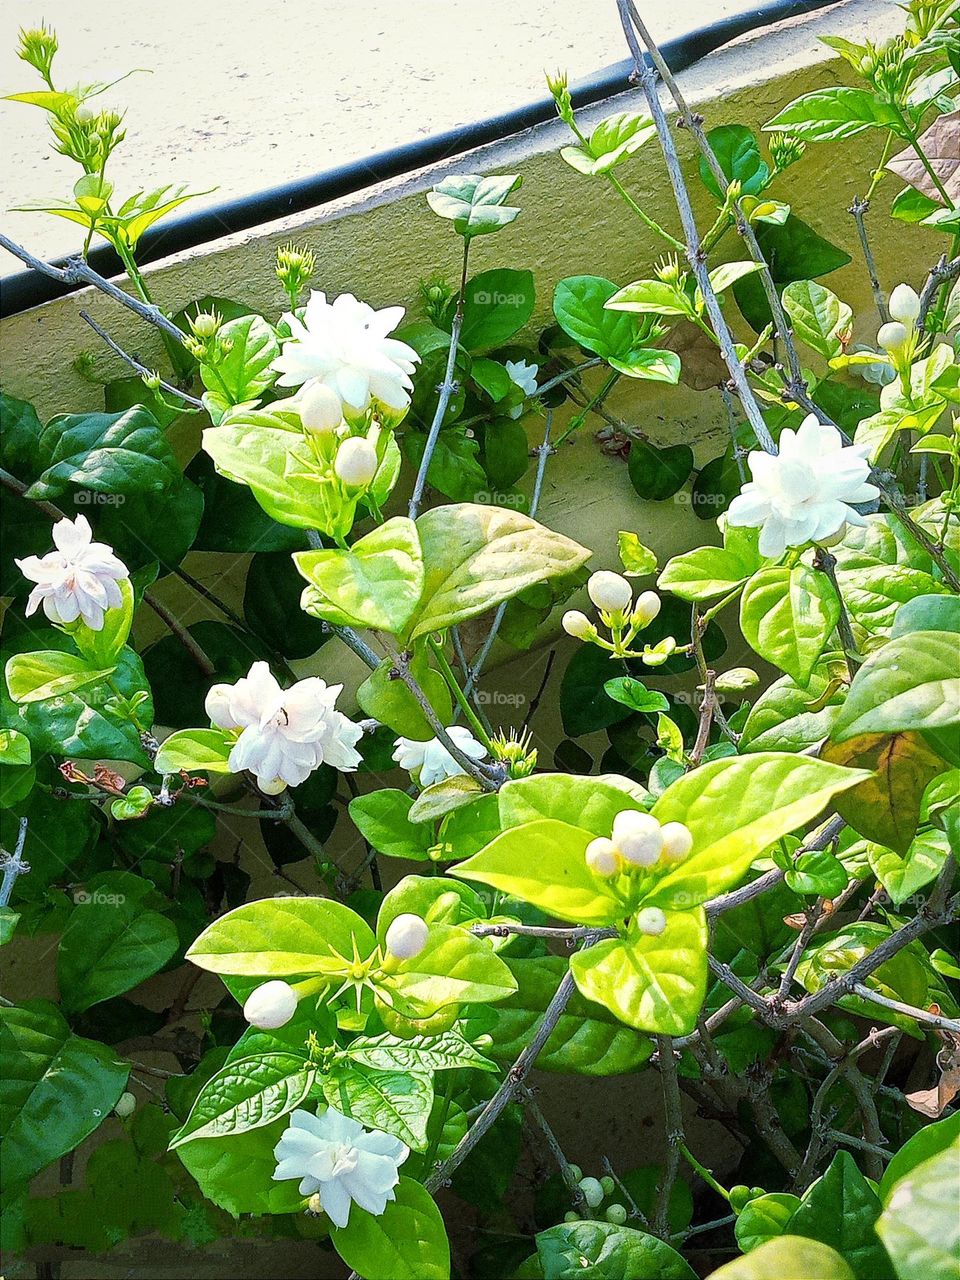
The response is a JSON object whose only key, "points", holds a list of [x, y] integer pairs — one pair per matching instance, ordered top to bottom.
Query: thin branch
{"points": [[859, 210], [76, 271], [943, 272], [135, 364], [176, 627], [13, 864], [911, 1011], [673, 1117], [553, 1146]]}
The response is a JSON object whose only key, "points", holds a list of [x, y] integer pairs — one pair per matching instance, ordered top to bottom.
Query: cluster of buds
{"points": [[37, 47], [888, 70], [560, 92], [86, 136], [785, 150], [295, 268], [668, 270], [435, 294], [899, 337], [205, 341], [354, 458], [623, 616], [514, 750], [641, 844], [274, 1003], [594, 1192]]}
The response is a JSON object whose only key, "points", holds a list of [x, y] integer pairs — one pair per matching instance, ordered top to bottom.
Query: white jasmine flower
{"points": [[904, 304], [891, 336], [344, 345], [524, 376], [356, 461], [803, 493], [78, 580], [610, 591], [578, 625], [287, 733], [433, 759], [638, 837], [601, 857], [652, 921], [407, 936], [270, 1005], [336, 1158]]}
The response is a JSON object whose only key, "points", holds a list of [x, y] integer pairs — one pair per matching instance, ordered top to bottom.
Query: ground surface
{"points": [[246, 94]]}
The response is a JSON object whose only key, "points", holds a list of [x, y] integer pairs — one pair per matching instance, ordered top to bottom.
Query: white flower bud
{"points": [[84, 114], [904, 304], [892, 336], [319, 408], [356, 462], [609, 591], [646, 608], [578, 625], [272, 788], [638, 837], [677, 841], [601, 857], [652, 921], [406, 936], [271, 1005], [126, 1105], [592, 1192], [315, 1204], [616, 1213]]}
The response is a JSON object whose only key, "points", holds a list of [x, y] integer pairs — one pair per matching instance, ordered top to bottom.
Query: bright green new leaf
{"points": [[827, 115], [611, 141], [476, 206], [819, 318], [244, 373], [637, 560], [707, 573], [377, 583], [788, 616], [47, 673], [910, 683], [195, 750], [589, 803], [736, 808], [382, 818], [543, 863], [276, 937], [455, 967], [654, 983], [443, 1052], [247, 1094], [396, 1102], [763, 1219], [919, 1226], [406, 1242], [602, 1251], [787, 1256]]}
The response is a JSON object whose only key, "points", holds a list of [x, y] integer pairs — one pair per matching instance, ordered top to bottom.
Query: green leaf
{"points": [[827, 115], [611, 141], [738, 153], [476, 206], [793, 251], [651, 297], [496, 304], [579, 304], [819, 318], [244, 373], [117, 453], [656, 474], [476, 556], [637, 560], [708, 573], [377, 583], [271, 607], [927, 613], [788, 616], [47, 673], [911, 683], [635, 695], [389, 700], [584, 704], [787, 717], [194, 750], [443, 797], [588, 803], [735, 809], [382, 819], [817, 872], [902, 877], [556, 878], [280, 936], [111, 942], [454, 967], [653, 983], [588, 1039], [443, 1052], [57, 1088], [247, 1094], [396, 1102], [926, 1143], [236, 1173], [840, 1210], [763, 1219], [919, 1225], [406, 1242], [602, 1251], [787, 1256]]}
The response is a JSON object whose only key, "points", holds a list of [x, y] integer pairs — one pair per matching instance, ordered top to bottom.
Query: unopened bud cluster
{"points": [[785, 150], [295, 268], [899, 337], [205, 341], [354, 459], [623, 616], [639, 843], [594, 1192]]}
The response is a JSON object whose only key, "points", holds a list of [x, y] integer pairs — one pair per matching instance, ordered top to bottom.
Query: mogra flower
{"points": [[344, 345], [524, 376], [803, 493], [78, 580], [285, 733], [432, 759], [337, 1159]]}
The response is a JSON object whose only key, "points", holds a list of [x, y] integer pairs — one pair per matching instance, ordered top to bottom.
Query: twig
{"points": [[859, 210], [76, 271], [943, 272], [135, 364], [446, 390], [826, 562], [174, 625], [13, 864], [911, 1011], [674, 1134], [553, 1146], [633, 1209]]}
